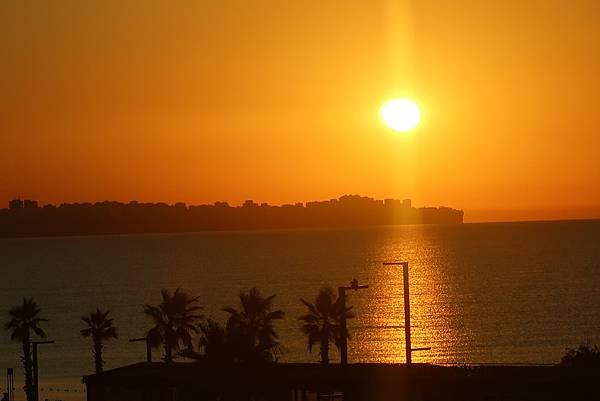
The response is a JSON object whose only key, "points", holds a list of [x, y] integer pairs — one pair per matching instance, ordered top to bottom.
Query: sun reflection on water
{"points": [[380, 317]]}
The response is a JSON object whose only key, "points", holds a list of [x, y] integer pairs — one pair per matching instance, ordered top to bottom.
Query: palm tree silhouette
{"points": [[23, 320], [175, 320], [322, 322], [100, 328], [251, 330], [214, 341], [215, 344]]}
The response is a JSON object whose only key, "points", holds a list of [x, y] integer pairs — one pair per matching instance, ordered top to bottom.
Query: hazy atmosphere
{"points": [[278, 102], [299, 200]]}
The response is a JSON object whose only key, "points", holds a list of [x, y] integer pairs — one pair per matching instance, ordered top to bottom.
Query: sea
{"points": [[493, 293]]}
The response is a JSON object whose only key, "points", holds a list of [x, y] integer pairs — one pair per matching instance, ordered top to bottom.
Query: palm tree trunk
{"points": [[325, 349], [168, 351], [99, 363], [28, 367]]}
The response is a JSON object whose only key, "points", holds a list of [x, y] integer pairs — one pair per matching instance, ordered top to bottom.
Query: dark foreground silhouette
{"points": [[28, 219], [239, 360], [373, 382]]}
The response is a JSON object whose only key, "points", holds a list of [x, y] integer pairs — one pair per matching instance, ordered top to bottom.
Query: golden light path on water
{"points": [[382, 309]]}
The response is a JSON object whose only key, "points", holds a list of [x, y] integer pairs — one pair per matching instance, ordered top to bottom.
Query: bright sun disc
{"points": [[401, 115]]}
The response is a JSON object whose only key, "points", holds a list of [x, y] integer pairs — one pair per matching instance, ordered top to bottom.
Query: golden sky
{"points": [[278, 101]]}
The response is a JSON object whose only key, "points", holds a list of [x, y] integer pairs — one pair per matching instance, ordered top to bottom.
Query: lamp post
{"points": [[405, 284], [342, 298], [35, 344], [148, 347], [10, 384]]}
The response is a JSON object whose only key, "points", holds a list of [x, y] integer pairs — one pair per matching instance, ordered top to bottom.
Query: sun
{"points": [[401, 115]]}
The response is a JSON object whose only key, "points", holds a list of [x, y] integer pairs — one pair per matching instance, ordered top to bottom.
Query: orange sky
{"points": [[278, 101]]}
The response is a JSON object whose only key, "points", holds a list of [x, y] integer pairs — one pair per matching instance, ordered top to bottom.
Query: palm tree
{"points": [[23, 320], [175, 320], [322, 322], [100, 328], [251, 330], [214, 341], [215, 344]]}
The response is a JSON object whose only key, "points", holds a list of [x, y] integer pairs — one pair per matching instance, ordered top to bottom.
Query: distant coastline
{"points": [[25, 218]]}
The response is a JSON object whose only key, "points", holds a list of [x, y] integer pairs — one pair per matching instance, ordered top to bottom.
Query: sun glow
{"points": [[401, 115]]}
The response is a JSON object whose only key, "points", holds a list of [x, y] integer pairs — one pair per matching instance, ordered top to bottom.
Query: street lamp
{"points": [[342, 298], [148, 347], [408, 347], [35, 366], [10, 384]]}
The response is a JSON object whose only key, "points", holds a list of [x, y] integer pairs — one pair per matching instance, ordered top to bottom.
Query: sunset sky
{"points": [[278, 101]]}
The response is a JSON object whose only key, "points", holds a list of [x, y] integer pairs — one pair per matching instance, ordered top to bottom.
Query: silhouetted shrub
{"points": [[584, 356]]}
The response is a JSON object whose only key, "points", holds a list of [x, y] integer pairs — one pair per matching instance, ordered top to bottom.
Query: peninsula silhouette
{"points": [[25, 218]]}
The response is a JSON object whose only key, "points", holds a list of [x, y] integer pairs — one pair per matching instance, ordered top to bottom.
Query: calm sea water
{"points": [[492, 293]]}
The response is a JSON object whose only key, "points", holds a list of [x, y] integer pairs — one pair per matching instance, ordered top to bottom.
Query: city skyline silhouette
{"points": [[25, 218]]}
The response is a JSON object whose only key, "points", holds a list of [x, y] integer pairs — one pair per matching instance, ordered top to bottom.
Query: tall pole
{"points": [[406, 291], [342, 299], [406, 313], [35, 344], [344, 344], [148, 347], [148, 351], [35, 372], [10, 379]]}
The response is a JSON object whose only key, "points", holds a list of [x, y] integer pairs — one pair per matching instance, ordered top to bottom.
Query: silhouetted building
{"points": [[250, 203], [392, 203], [15, 204], [30, 204], [26, 219], [356, 382]]}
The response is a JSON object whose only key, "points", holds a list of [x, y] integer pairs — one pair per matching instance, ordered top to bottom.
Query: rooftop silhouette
{"points": [[25, 218], [303, 381]]}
